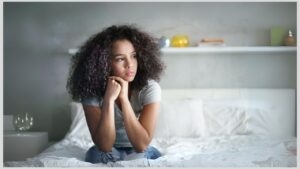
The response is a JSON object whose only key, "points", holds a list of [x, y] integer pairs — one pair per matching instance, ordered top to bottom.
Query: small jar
{"points": [[290, 40], [180, 41], [164, 42]]}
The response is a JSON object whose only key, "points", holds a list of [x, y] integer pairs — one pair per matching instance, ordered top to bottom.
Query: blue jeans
{"points": [[93, 155]]}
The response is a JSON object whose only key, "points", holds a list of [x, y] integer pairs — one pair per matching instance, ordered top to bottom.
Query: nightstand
{"points": [[21, 145]]}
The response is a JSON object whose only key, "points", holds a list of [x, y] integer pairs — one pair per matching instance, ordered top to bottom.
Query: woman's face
{"points": [[124, 63]]}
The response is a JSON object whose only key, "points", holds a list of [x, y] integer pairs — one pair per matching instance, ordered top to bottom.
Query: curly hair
{"points": [[91, 65]]}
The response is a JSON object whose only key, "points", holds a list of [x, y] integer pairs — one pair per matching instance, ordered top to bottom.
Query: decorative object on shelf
{"points": [[277, 36], [290, 39], [180, 41], [164, 42], [206, 42], [23, 121]]}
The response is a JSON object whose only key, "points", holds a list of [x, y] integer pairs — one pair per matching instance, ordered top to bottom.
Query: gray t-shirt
{"points": [[148, 94]]}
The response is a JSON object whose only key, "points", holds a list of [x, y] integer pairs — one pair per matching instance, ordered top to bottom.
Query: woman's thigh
{"points": [[93, 155]]}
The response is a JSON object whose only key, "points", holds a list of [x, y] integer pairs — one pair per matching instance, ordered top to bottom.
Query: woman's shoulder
{"points": [[152, 82], [151, 85], [150, 93]]}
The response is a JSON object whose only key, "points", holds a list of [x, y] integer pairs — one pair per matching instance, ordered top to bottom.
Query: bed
{"points": [[199, 128]]}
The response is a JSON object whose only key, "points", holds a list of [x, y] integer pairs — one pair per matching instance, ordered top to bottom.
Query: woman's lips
{"points": [[130, 74]]}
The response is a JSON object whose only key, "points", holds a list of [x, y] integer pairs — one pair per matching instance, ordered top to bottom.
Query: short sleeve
{"points": [[150, 93], [92, 101]]}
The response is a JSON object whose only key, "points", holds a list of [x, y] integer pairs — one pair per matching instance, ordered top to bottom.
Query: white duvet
{"points": [[218, 151]]}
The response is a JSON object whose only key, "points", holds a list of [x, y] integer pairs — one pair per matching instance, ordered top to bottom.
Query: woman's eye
{"points": [[119, 59]]}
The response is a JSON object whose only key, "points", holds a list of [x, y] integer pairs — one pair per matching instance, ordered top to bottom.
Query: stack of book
{"points": [[211, 42]]}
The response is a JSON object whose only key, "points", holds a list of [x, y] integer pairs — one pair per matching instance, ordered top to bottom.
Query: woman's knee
{"points": [[152, 153], [93, 155]]}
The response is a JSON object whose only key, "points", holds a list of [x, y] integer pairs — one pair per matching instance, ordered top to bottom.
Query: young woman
{"points": [[115, 75]]}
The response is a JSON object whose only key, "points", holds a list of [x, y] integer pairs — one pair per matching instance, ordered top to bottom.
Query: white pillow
{"points": [[230, 117], [180, 118], [224, 120], [259, 122], [79, 126]]}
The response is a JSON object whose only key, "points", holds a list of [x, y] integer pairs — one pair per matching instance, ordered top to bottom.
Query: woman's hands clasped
{"points": [[116, 88]]}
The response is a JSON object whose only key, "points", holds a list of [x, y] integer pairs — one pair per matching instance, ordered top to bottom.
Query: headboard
{"points": [[281, 103]]}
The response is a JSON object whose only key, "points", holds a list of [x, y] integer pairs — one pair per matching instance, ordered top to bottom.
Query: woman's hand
{"points": [[124, 87], [113, 89]]}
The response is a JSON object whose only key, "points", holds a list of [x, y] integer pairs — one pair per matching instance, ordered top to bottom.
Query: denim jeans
{"points": [[93, 155]]}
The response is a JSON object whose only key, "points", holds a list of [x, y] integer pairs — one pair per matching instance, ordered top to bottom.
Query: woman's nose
{"points": [[129, 63]]}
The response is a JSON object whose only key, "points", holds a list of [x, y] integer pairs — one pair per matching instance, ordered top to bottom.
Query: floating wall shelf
{"points": [[236, 49], [260, 49]]}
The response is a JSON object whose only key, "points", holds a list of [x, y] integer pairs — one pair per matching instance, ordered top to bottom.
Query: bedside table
{"points": [[21, 145]]}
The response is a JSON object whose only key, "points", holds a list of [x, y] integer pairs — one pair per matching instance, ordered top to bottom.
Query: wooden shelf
{"points": [[222, 49]]}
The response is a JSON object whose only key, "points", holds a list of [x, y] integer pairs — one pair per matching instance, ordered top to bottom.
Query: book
{"points": [[206, 42]]}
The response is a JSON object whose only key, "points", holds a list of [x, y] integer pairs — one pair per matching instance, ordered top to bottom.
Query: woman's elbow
{"points": [[103, 146], [141, 147], [105, 149]]}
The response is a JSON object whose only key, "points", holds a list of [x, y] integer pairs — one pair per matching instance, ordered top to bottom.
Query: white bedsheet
{"points": [[218, 151]]}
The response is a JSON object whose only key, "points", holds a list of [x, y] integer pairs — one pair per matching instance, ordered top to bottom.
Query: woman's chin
{"points": [[129, 79]]}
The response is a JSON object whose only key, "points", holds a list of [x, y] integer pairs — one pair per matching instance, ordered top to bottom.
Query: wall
{"points": [[37, 37], [227, 70]]}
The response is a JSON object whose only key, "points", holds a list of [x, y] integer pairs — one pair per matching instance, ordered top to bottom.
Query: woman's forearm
{"points": [[106, 133], [137, 134]]}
